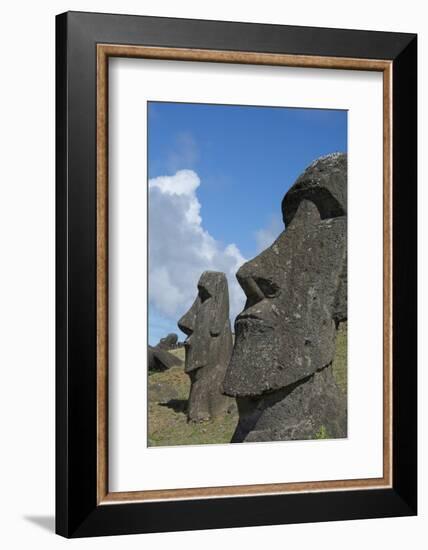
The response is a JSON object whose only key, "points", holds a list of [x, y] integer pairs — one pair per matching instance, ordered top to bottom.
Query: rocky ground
{"points": [[168, 392]]}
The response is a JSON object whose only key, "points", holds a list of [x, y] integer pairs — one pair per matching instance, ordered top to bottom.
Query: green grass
{"points": [[340, 366], [168, 393], [322, 433]]}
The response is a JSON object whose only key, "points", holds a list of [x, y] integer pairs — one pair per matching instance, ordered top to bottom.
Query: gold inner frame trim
{"points": [[104, 51]]}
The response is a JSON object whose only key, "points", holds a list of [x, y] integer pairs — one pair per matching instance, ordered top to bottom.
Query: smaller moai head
{"points": [[296, 288], [206, 321]]}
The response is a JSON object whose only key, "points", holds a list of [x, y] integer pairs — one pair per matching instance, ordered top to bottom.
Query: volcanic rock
{"points": [[296, 289], [169, 342], [208, 347], [160, 360]]}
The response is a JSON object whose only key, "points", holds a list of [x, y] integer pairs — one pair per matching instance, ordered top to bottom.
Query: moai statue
{"points": [[169, 342], [208, 347], [161, 360], [281, 367]]}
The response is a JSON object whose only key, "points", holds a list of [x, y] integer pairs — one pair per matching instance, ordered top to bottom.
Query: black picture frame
{"points": [[77, 511]]}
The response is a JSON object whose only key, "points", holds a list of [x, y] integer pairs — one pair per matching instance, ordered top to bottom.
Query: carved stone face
{"points": [[296, 288], [206, 320]]}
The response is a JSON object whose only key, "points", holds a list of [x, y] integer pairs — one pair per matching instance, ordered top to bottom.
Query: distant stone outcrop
{"points": [[208, 347], [160, 359], [280, 371]]}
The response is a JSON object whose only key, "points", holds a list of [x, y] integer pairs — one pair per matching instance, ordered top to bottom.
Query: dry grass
{"points": [[179, 352], [340, 362], [168, 392]]}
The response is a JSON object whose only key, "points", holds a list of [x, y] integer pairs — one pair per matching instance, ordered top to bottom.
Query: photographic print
{"points": [[209, 263], [247, 274]]}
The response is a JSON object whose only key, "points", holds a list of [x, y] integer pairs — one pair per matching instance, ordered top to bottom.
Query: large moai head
{"points": [[296, 288], [208, 346]]}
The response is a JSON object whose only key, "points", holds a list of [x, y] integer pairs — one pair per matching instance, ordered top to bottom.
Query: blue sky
{"points": [[245, 159]]}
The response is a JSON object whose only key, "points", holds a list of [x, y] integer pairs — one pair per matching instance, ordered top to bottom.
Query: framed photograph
{"points": [[236, 274]]}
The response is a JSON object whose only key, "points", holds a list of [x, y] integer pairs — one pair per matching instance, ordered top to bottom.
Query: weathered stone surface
{"points": [[322, 184], [169, 342], [208, 347], [160, 360], [280, 369], [298, 411]]}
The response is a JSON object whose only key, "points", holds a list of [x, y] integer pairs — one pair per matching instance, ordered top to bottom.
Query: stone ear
{"points": [[221, 309]]}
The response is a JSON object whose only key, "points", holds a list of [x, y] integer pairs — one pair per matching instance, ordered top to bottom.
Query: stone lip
{"points": [[296, 288], [300, 411]]}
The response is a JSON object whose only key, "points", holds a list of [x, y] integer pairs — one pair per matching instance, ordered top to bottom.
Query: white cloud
{"points": [[185, 182], [266, 236], [180, 249]]}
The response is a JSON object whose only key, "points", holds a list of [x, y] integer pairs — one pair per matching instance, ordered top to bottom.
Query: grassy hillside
{"points": [[179, 352], [168, 393]]}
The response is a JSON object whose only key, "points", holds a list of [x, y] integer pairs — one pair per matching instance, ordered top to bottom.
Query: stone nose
{"points": [[187, 323]]}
